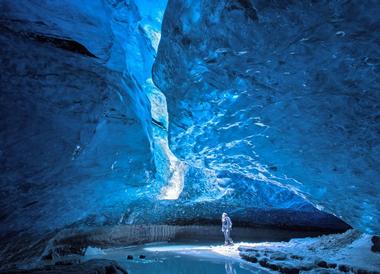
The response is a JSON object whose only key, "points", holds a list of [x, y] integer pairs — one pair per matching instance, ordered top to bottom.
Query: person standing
{"points": [[226, 229]]}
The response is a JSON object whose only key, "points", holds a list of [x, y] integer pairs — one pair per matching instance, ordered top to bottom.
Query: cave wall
{"points": [[281, 93], [84, 129], [76, 137]]}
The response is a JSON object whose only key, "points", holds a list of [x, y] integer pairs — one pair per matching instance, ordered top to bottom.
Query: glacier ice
{"points": [[281, 92], [253, 107], [76, 133]]}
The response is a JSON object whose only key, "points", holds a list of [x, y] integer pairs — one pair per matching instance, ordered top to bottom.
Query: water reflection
{"points": [[173, 259], [229, 267]]}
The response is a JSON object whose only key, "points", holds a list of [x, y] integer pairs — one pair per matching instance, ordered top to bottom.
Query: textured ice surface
{"points": [[277, 92], [258, 105], [76, 129], [84, 129]]}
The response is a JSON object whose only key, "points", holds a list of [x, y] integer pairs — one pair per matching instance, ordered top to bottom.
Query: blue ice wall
{"points": [[281, 92], [84, 129], [76, 137]]}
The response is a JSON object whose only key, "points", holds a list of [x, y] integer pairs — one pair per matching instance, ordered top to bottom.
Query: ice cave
{"points": [[129, 126]]}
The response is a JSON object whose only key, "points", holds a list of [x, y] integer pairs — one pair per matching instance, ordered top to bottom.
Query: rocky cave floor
{"points": [[349, 252], [337, 253]]}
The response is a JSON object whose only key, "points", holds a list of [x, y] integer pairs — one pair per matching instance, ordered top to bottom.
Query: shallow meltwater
{"points": [[175, 258]]}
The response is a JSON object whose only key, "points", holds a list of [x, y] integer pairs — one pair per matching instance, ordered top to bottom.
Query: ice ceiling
{"points": [[258, 108]]}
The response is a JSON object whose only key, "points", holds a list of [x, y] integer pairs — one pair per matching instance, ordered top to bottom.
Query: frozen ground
{"points": [[347, 252]]}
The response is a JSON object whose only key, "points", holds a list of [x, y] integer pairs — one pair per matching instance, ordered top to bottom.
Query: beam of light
{"points": [[170, 170], [173, 189]]}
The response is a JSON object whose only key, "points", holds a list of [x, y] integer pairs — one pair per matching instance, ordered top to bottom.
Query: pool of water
{"points": [[177, 258]]}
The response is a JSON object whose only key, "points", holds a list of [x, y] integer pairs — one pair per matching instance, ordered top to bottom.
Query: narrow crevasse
{"points": [[170, 171]]}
